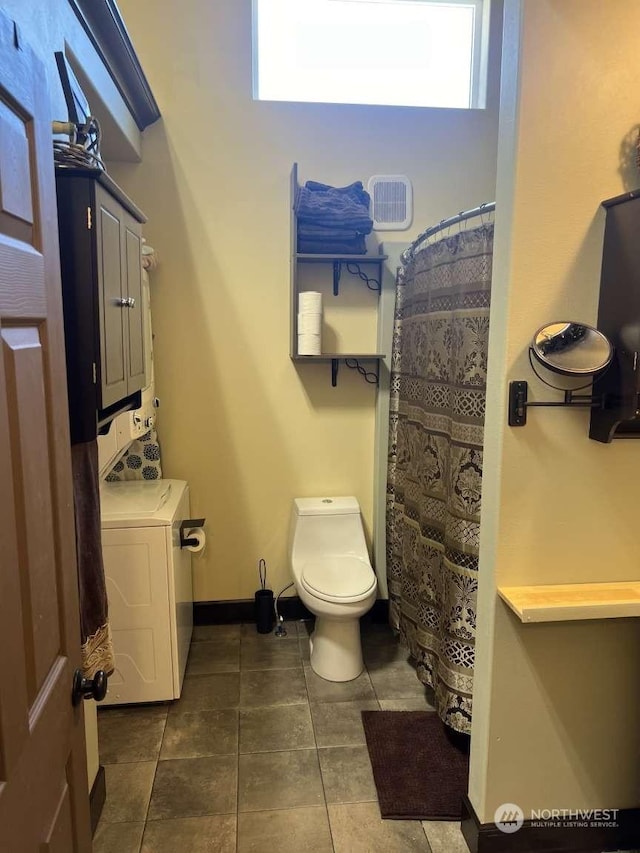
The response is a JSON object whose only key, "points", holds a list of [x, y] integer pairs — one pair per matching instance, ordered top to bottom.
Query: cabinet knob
{"points": [[131, 302]]}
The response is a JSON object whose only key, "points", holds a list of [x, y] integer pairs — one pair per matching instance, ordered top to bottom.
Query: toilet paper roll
{"points": [[310, 302], [309, 324], [309, 345], [199, 534]]}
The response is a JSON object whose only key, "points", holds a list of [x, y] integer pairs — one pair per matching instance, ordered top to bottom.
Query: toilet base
{"points": [[336, 649]]}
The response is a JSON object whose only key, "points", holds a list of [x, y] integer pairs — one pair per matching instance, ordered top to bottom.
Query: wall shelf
{"points": [[346, 259], [352, 264], [341, 356], [372, 377], [573, 602]]}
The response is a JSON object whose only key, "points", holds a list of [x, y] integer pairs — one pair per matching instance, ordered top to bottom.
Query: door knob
{"points": [[88, 688]]}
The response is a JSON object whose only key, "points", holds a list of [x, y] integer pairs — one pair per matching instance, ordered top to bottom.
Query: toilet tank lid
{"points": [[326, 506]]}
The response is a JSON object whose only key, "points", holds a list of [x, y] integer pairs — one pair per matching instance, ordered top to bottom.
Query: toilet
{"points": [[334, 579]]}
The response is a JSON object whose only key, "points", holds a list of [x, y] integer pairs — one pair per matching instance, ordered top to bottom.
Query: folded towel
{"points": [[355, 191], [320, 204], [338, 219], [323, 232], [333, 247]]}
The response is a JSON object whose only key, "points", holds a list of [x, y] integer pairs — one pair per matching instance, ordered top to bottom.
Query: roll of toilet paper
{"points": [[310, 302], [309, 324], [309, 345], [201, 537]]}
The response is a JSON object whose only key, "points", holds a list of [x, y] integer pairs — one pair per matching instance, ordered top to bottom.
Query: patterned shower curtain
{"points": [[438, 384]]}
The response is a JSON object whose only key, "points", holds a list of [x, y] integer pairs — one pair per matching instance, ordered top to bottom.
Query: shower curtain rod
{"points": [[486, 207]]}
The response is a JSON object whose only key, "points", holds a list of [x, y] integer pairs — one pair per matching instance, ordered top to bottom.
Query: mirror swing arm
{"points": [[570, 349], [518, 402]]}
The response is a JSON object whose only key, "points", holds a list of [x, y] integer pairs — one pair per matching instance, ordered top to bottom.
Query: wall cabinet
{"points": [[100, 254], [365, 268], [619, 319]]}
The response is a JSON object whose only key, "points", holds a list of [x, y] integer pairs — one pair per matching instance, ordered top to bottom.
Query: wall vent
{"points": [[391, 202]]}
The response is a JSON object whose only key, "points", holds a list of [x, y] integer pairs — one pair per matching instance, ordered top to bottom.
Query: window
{"points": [[418, 53]]}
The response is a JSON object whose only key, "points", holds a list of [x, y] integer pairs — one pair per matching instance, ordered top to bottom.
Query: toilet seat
{"points": [[342, 578]]}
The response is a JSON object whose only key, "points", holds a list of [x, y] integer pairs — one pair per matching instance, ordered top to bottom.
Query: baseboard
{"points": [[233, 612], [379, 613], [97, 797], [531, 837]]}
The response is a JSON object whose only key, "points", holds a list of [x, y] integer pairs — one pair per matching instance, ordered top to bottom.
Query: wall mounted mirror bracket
{"points": [[570, 349], [519, 403]]}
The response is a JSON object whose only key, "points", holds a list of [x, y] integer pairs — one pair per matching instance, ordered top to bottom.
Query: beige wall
{"points": [[246, 427], [556, 706]]}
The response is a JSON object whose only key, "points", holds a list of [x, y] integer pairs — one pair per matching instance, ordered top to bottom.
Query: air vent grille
{"points": [[391, 202]]}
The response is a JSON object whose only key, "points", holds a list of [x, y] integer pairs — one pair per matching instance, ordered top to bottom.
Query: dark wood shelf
{"points": [[332, 356]]}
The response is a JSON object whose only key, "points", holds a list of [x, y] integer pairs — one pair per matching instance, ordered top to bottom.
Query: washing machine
{"points": [[147, 561]]}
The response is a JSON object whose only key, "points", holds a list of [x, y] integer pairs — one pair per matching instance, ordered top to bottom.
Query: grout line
{"points": [[375, 695], [239, 711], [315, 740], [155, 772], [238, 780], [294, 808], [185, 817], [430, 850]]}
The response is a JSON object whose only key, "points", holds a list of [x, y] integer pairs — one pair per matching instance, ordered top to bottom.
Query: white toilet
{"points": [[334, 579]]}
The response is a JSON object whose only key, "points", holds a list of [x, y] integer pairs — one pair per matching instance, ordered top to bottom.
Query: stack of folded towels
{"points": [[332, 220]]}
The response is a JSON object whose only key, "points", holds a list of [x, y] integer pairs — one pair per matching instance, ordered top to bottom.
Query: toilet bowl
{"points": [[334, 579]]}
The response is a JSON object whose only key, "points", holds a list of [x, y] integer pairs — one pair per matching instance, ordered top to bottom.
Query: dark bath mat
{"points": [[419, 773]]}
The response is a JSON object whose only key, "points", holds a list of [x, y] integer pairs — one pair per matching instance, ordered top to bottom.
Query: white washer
{"points": [[149, 587]]}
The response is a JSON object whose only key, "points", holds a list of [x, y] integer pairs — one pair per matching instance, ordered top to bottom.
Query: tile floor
{"points": [[259, 754]]}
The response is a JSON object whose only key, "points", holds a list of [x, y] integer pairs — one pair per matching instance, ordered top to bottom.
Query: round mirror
{"points": [[572, 349]]}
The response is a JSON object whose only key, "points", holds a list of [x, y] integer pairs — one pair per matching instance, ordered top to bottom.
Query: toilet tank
{"points": [[323, 526]]}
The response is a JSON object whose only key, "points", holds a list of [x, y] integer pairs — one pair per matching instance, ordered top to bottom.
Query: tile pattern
{"points": [[259, 753]]}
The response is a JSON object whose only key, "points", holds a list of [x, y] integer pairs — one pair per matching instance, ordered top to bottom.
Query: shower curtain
{"points": [[438, 383]]}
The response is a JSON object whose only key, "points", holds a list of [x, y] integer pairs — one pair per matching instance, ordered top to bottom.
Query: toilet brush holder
{"points": [[264, 611]]}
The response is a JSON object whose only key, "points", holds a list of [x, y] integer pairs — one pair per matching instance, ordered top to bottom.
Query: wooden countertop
{"points": [[570, 602]]}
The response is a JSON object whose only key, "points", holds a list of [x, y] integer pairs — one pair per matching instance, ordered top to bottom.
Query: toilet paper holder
{"points": [[189, 524]]}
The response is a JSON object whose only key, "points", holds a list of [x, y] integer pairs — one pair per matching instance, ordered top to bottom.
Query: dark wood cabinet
{"points": [[100, 252], [618, 387]]}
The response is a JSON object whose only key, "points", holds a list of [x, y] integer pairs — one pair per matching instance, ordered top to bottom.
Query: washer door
{"points": [[339, 578]]}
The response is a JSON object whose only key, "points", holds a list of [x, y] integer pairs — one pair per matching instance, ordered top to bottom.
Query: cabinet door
{"points": [[111, 299], [135, 329]]}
